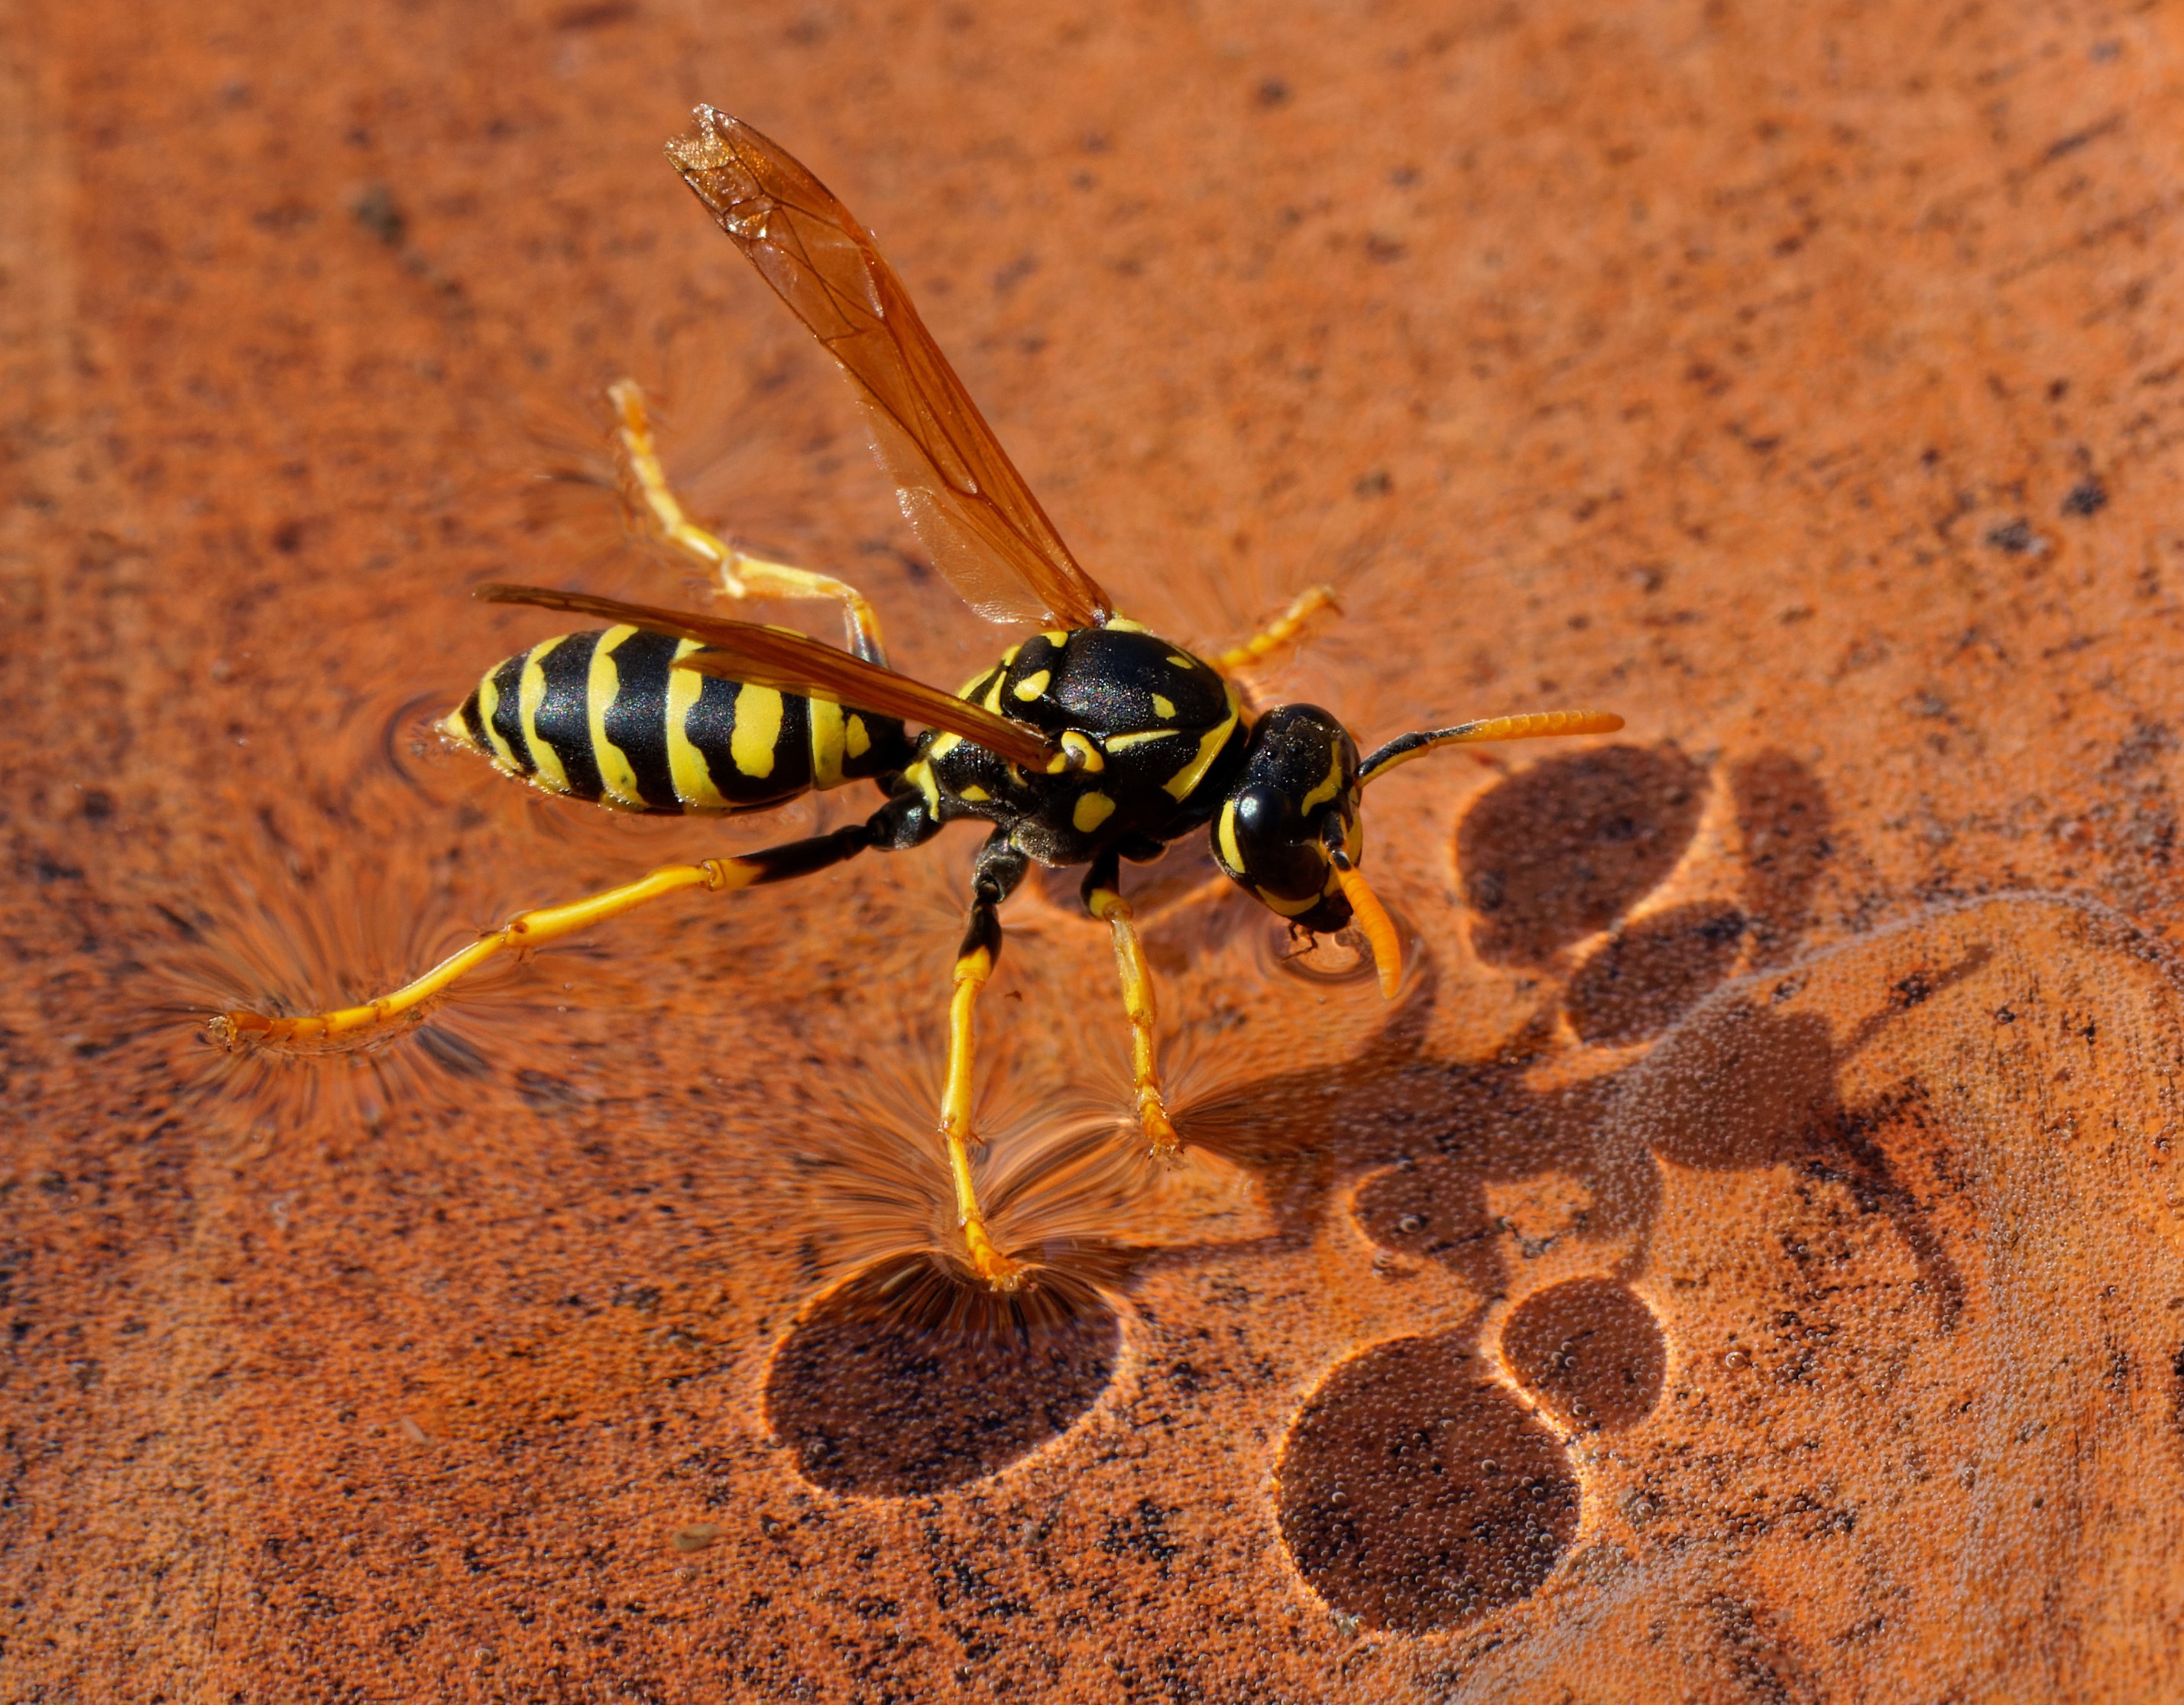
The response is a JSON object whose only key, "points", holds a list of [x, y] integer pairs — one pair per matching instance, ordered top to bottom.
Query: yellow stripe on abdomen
{"points": [[530, 696], [489, 703], [686, 764], [616, 778]]}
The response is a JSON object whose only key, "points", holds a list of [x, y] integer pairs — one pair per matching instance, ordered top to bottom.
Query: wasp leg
{"points": [[742, 575], [1285, 627], [1000, 868], [1104, 900], [408, 1004]]}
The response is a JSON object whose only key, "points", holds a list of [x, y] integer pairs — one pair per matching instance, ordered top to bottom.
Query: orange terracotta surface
{"points": [[1746, 1259]]}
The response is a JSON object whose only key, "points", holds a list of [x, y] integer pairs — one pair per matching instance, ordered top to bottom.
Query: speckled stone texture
{"points": [[1747, 1260]]}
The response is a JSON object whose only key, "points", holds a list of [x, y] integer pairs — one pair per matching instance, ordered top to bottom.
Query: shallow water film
{"points": [[1745, 1259]]}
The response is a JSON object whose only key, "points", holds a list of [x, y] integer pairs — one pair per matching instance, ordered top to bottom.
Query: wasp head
{"points": [[1291, 809]]}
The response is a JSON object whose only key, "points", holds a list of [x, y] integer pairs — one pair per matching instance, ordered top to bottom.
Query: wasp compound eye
{"points": [[1267, 843], [1271, 850]]}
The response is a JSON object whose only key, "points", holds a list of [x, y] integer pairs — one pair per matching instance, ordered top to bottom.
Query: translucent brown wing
{"points": [[958, 489], [790, 663]]}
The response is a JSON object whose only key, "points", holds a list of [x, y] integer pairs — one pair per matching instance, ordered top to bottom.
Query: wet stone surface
{"points": [[1804, 392], [1587, 837]]}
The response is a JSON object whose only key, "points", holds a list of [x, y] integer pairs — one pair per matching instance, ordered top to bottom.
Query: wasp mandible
{"points": [[1091, 742]]}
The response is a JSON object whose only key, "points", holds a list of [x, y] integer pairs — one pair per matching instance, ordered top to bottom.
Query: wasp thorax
{"points": [[1298, 789]]}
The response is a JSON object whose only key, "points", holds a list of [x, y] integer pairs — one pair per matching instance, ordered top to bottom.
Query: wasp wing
{"points": [[958, 489], [791, 663]]}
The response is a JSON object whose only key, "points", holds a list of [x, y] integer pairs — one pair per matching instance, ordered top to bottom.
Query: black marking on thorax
{"points": [[1110, 681], [1157, 724]]}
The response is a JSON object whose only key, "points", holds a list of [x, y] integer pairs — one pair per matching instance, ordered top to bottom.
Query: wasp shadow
{"points": [[1554, 855], [901, 1382], [1416, 1491]]}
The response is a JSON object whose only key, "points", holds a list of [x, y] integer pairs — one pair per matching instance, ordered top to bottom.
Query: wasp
{"points": [[1091, 742]]}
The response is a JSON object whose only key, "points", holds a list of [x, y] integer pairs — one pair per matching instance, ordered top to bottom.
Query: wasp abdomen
{"points": [[604, 716]]}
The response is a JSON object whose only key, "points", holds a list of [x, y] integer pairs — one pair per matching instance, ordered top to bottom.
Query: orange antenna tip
{"points": [[1533, 725]]}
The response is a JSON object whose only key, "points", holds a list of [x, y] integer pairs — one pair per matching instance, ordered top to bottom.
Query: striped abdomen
{"points": [[601, 717]]}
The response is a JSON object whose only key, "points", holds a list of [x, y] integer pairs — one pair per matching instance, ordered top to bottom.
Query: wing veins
{"points": [[958, 489]]}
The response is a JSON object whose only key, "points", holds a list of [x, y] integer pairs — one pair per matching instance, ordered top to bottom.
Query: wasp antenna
{"points": [[1533, 725], [1381, 934]]}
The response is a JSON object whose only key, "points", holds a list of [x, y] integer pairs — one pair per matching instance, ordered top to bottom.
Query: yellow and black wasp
{"points": [[1091, 742]]}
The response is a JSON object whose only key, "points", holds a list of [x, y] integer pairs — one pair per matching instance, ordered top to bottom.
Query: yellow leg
{"points": [[742, 575], [1279, 633], [998, 870], [1104, 902], [352, 1026], [986, 1261]]}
